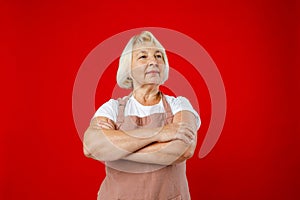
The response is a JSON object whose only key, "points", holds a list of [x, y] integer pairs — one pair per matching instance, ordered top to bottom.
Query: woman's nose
{"points": [[153, 61]]}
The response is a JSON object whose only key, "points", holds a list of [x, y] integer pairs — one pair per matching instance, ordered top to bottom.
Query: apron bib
{"points": [[128, 180]]}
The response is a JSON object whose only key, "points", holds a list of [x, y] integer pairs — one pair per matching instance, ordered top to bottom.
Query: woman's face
{"points": [[147, 65]]}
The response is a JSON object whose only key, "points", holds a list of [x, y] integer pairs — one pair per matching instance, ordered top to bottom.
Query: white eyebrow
{"points": [[142, 51], [146, 52]]}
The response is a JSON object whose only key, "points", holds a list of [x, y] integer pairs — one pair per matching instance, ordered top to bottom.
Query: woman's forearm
{"points": [[102, 142], [109, 144], [174, 151], [163, 153]]}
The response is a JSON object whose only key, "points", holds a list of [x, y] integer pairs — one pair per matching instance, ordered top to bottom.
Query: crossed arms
{"points": [[170, 144]]}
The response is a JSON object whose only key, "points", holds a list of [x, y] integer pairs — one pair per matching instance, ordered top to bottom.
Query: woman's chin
{"points": [[149, 82], [154, 82]]}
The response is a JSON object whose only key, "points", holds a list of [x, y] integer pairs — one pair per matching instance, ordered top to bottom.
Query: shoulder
{"points": [[178, 103], [181, 103], [110, 104], [109, 109]]}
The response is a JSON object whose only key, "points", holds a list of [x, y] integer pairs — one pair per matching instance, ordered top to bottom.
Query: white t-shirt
{"points": [[133, 107]]}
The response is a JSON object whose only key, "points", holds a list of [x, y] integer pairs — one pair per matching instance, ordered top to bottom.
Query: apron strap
{"points": [[122, 103], [168, 111]]}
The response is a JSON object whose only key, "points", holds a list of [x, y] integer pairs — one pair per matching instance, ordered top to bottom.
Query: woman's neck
{"points": [[147, 95]]}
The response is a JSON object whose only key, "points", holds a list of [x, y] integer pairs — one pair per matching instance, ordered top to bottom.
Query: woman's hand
{"points": [[105, 125], [177, 131], [176, 142]]}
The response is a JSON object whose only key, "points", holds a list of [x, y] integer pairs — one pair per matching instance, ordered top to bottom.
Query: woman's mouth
{"points": [[152, 72]]}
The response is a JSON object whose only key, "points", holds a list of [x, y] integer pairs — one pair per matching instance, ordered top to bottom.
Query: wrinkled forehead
{"points": [[146, 46]]}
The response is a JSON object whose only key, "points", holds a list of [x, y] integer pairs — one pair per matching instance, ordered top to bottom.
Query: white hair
{"points": [[123, 73]]}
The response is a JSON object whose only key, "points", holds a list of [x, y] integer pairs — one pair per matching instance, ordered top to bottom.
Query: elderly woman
{"points": [[145, 137]]}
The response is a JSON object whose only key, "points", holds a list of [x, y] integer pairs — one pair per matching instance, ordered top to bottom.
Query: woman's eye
{"points": [[158, 56], [142, 57]]}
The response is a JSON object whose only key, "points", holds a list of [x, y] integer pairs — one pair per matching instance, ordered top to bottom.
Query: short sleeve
{"points": [[181, 103], [108, 110]]}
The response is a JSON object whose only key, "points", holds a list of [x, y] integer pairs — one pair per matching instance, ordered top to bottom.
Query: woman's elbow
{"points": [[92, 146], [97, 149], [190, 152], [98, 153], [188, 155], [183, 157]]}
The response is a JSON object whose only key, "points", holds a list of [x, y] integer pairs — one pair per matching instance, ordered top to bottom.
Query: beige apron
{"points": [[127, 180]]}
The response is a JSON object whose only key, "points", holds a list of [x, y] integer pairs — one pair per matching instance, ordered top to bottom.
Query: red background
{"points": [[255, 45]]}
